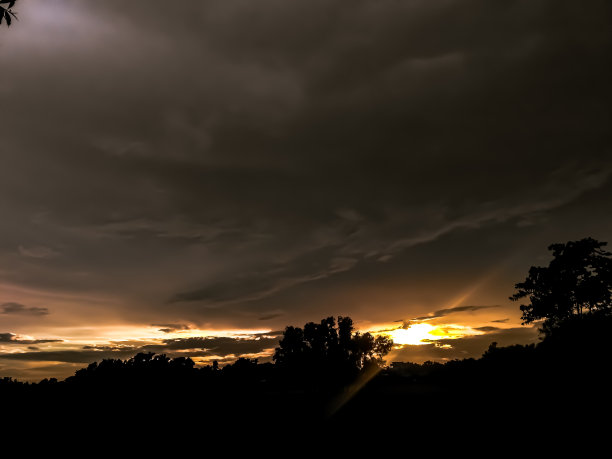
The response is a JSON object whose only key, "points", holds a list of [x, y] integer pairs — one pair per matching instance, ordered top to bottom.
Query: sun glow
{"points": [[425, 333], [415, 334]]}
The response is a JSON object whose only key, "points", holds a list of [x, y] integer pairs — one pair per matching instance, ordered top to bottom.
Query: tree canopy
{"points": [[6, 12], [577, 282], [330, 348]]}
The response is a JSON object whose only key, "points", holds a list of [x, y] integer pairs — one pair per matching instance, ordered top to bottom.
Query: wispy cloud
{"points": [[38, 252], [261, 284], [21, 310], [445, 312], [270, 316], [171, 328], [487, 329], [12, 338], [187, 347]]}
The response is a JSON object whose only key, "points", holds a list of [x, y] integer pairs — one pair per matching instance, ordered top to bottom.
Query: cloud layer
{"points": [[222, 162], [21, 310], [217, 347]]}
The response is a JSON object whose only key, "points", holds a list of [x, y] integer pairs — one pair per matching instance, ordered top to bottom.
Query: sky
{"points": [[191, 177]]}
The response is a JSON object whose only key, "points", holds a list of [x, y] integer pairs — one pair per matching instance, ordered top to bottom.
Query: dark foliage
{"points": [[6, 12], [578, 281], [328, 354], [566, 375]]}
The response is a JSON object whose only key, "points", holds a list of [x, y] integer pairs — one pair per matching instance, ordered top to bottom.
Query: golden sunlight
{"points": [[425, 333], [414, 334]]}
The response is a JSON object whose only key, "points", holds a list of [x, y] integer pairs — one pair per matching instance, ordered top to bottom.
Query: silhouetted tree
{"points": [[6, 12], [576, 282], [292, 349], [327, 349]]}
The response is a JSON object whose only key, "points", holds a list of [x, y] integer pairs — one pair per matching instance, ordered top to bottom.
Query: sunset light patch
{"points": [[424, 333], [414, 334]]}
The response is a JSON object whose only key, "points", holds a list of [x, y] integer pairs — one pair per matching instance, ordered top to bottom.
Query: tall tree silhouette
{"points": [[6, 12], [577, 282], [324, 348]]}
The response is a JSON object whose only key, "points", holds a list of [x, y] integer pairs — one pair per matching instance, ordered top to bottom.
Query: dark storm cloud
{"points": [[199, 161], [37, 252], [253, 286], [20, 309], [445, 312], [442, 313], [270, 316], [170, 328], [487, 329], [270, 334], [11, 338], [219, 345], [187, 347], [101, 348], [68, 356]]}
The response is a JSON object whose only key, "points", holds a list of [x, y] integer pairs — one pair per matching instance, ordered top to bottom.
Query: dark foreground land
{"points": [[563, 384]]}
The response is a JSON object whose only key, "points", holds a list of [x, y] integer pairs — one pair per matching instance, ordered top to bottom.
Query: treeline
{"points": [[578, 351], [319, 356], [327, 375], [564, 377]]}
